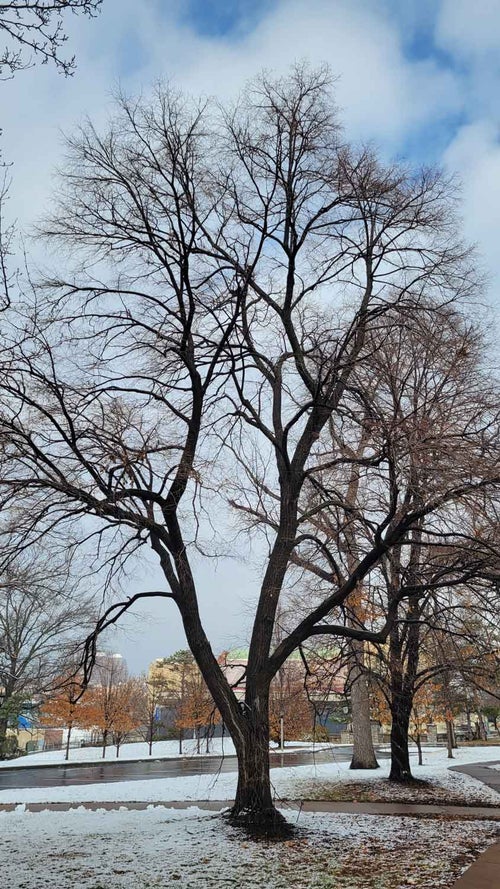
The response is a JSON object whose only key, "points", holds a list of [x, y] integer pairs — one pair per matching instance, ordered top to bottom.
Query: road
{"points": [[487, 772], [63, 775]]}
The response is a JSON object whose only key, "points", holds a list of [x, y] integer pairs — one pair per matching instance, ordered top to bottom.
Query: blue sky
{"points": [[224, 17], [414, 77], [419, 78]]}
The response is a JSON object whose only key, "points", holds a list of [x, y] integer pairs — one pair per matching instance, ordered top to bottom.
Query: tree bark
{"points": [[404, 645], [483, 734], [3, 737], [449, 738], [418, 741], [363, 753], [66, 754], [400, 755], [253, 807]]}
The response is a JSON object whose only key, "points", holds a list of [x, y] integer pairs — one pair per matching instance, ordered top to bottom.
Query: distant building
{"points": [[326, 682]]}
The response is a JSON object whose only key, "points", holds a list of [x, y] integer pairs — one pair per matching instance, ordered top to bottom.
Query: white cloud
{"points": [[468, 29], [470, 34], [383, 95], [475, 155]]}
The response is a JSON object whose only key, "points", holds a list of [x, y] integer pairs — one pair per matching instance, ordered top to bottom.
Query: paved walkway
{"points": [[482, 771], [398, 809], [484, 873]]}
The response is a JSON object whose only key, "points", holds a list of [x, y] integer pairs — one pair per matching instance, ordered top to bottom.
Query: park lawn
{"points": [[435, 784], [159, 848]]}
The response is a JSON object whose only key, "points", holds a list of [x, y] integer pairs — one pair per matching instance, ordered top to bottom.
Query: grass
{"points": [[383, 790], [159, 849]]}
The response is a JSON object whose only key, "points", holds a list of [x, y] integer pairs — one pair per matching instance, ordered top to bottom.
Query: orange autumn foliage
{"points": [[288, 698], [68, 707], [196, 709]]}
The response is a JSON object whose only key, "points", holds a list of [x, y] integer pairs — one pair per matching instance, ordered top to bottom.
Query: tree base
{"points": [[362, 764], [403, 777], [260, 823]]}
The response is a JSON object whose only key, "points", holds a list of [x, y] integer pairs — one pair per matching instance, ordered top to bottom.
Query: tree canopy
{"points": [[237, 273]]}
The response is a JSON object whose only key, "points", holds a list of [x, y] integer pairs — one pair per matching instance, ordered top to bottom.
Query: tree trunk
{"points": [[469, 725], [483, 734], [3, 737], [449, 738], [418, 741], [104, 743], [363, 753], [66, 755], [400, 755], [253, 807]]}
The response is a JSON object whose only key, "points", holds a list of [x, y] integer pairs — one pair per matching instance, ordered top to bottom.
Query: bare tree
{"points": [[34, 29], [234, 263], [431, 410], [43, 621], [154, 697], [109, 698], [66, 707], [197, 711], [291, 711]]}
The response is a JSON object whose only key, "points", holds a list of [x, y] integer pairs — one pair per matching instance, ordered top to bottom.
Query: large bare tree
{"points": [[231, 264]]}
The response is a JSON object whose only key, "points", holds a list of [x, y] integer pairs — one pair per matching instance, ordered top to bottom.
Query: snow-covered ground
{"points": [[140, 750], [293, 783], [458, 787], [160, 848]]}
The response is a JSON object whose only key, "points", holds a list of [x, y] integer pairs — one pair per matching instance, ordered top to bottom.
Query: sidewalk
{"points": [[483, 772], [293, 806], [484, 873]]}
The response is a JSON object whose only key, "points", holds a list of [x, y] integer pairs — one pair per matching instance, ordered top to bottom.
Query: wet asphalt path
{"points": [[487, 772], [94, 773]]}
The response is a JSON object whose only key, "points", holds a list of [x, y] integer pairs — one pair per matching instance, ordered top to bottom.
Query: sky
{"points": [[418, 78]]}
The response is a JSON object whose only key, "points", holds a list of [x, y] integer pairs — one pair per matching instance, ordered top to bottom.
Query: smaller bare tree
{"points": [[43, 621], [108, 676]]}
